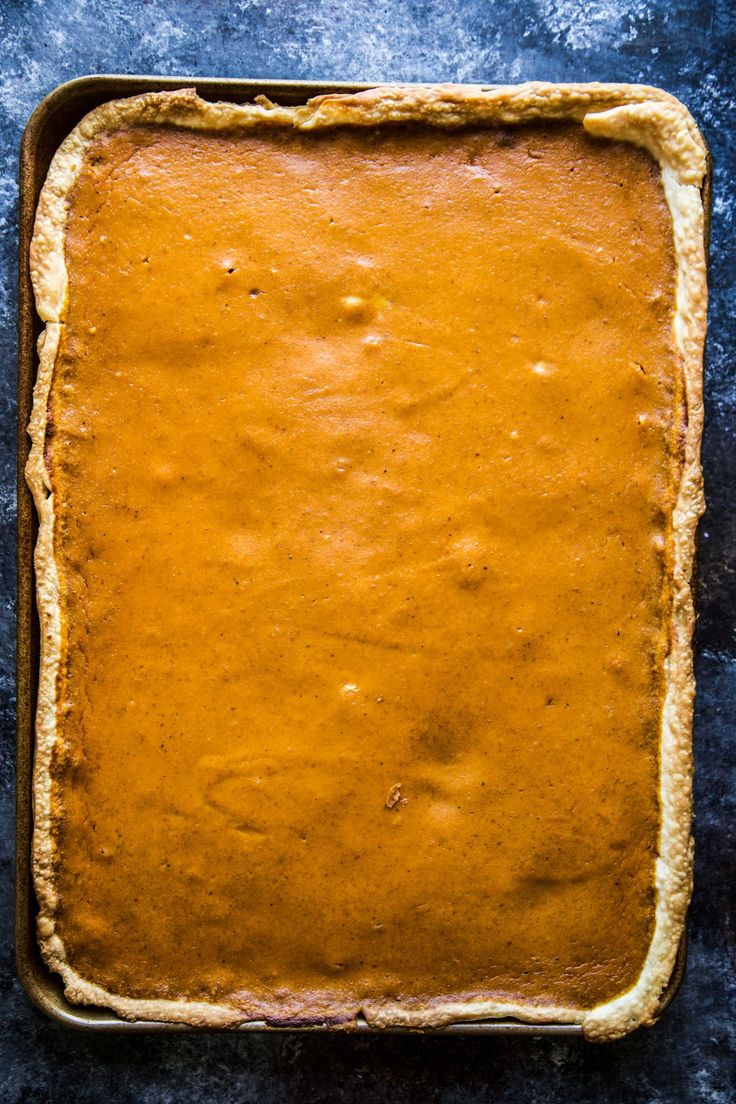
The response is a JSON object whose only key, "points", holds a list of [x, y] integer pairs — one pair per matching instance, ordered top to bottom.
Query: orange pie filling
{"points": [[363, 446]]}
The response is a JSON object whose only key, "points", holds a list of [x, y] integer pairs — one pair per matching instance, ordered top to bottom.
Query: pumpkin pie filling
{"points": [[363, 446]]}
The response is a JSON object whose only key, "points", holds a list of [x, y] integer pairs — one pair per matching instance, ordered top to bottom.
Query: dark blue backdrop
{"points": [[686, 46]]}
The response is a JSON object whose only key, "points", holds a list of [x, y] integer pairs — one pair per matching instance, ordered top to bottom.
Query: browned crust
{"points": [[635, 113]]}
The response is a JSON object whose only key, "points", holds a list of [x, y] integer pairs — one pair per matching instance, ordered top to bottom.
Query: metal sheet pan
{"points": [[50, 123]]}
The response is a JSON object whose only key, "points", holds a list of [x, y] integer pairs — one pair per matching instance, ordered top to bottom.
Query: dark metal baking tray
{"points": [[50, 123]]}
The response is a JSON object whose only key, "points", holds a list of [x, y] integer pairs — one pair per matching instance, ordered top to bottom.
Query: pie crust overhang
{"points": [[644, 116]]}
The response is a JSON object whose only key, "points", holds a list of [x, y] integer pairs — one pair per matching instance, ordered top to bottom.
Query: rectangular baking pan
{"points": [[50, 123]]}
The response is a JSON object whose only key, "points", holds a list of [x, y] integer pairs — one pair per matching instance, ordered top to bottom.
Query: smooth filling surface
{"points": [[363, 446]]}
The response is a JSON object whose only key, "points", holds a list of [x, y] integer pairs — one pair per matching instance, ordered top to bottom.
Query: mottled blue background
{"points": [[688, 47]]}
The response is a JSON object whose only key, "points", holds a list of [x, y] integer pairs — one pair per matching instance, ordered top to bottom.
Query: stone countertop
{"points": [[688, 47]]}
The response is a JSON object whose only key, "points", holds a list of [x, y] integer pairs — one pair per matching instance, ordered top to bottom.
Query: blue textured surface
{"points": [[687, 47]]}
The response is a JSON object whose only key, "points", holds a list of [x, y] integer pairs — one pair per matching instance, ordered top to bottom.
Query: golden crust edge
{"points": [[640, 114]]}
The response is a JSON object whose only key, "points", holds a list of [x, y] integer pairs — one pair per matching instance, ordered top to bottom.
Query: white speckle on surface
{"points": [[587, 24], [163, 35], [399, 48], [18, 91], [723, 207], [708, 1088]]}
